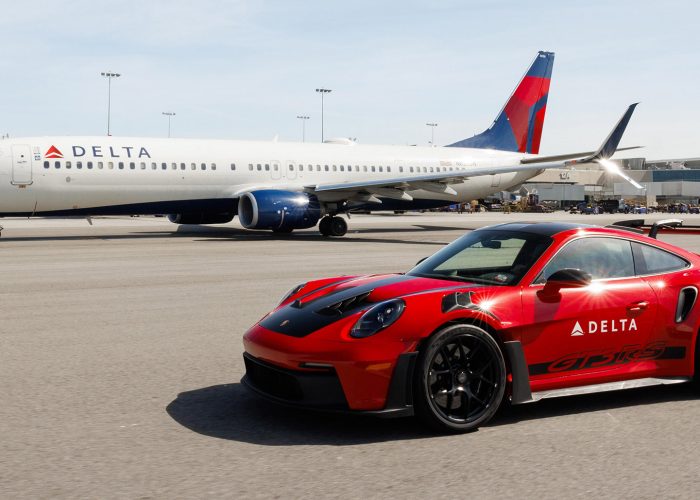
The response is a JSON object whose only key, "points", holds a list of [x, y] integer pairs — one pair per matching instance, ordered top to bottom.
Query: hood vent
{"points": [[341, 307]]}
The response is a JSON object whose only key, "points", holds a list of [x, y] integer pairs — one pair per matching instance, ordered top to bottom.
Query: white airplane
{"points": [[281, 186]]}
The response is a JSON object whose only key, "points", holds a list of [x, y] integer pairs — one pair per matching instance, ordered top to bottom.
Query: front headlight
{"points": [[293, 291], [377, 318]]}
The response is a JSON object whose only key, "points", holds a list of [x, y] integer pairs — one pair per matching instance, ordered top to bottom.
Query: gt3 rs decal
{"points": [[600, 359]]}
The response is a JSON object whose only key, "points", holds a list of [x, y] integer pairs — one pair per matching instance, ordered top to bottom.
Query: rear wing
{"points": [[638, 226]]}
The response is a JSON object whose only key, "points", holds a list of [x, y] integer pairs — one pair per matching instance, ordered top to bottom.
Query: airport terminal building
{"points": [[666, 182]]}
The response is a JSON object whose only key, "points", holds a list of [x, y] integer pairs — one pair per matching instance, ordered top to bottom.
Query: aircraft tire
{"points": [[338, 226], [324, 227]]}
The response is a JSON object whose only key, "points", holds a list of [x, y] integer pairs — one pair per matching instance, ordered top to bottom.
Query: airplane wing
{"points": [[396, 188]]}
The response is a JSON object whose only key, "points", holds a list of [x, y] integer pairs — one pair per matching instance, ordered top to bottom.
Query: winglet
{"points": [[609, 146]]}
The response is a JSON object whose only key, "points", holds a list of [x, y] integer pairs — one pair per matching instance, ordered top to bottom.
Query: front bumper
{"points": [[322, 390]]}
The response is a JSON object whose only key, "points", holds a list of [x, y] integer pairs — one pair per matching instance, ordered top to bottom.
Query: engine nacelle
{"points": [[278, 210], [201, 218]]}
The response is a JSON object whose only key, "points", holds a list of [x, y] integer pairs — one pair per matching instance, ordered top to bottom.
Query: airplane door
{"points": [[21, 164], [291, 169], [275, 173], [495, 180]]}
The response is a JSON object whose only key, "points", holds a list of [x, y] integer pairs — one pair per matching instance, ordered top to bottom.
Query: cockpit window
{"points": [[487, 256]]}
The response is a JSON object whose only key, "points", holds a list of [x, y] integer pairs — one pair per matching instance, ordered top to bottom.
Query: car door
{"points": [[675, 283], [595, 333]]}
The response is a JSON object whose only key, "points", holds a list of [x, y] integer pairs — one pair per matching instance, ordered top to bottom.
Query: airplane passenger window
{"points": [[46, 164], [57, 164], [67, 164], [79, 164], [89, 165], [100, 165], [110, 165], [132, 165], [143, 165], [153, 165], [164, 166], [173, 166], [183, 166], [193, 166], [204, 166], [213, 166], [233, 166], [250, 166], [260, 166], [267, 167], [275, 167], [291, 167], [325, 167], [311, 168], [318, 168], [342, 168], [364, 168], [373, 169], [381, 169], [388, 169], [400, 169], [410, 169], [425, 169]]}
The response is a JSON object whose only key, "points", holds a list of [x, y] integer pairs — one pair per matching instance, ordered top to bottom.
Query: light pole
{"points": [[109, 75], [322, 92], [169, 114], [303, 119], [432, 133]]}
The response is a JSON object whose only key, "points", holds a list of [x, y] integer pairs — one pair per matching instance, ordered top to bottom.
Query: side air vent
{"points": [[686, 301], [343, 306]]}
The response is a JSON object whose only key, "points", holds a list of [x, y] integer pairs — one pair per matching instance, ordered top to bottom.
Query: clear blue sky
{"points": [[246, 69]]}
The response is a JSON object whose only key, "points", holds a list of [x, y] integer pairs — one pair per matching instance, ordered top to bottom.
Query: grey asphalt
{"points": [[120, 361]]}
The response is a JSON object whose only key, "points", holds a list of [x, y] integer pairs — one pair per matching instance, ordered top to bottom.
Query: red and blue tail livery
{"points": [[518, 127]]}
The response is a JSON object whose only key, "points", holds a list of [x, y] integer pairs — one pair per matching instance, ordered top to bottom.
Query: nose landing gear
{"points": [[333, 226]]}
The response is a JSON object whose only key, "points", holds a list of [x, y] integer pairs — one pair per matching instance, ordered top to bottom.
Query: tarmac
{"points": [[120, 361]]}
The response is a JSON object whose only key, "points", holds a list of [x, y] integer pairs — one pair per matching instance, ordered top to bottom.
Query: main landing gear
{"points": [[333, 226]]}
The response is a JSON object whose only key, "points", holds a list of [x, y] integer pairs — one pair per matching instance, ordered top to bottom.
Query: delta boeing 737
{"points": [[281, 186]]}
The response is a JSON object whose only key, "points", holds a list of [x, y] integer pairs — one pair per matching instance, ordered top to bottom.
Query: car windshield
{"points": [[485, 256]]}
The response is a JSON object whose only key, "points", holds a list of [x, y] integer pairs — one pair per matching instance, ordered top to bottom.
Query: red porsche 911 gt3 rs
{"points": [[521, 311]]}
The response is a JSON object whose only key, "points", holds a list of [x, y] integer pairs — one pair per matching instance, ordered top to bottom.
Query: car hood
{"points": [[310, 312]]}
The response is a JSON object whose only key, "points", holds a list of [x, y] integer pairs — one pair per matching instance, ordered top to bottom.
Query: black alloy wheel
{"points": [[460, 379]]}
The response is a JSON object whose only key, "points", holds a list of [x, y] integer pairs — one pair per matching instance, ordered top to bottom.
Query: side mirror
{"points": [[567, 278]]}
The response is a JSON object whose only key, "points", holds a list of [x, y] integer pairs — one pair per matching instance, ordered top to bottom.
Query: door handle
{"points": [[638, 306]]}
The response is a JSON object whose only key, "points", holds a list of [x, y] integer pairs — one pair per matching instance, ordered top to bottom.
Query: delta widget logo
{"points": [[53, 152]]}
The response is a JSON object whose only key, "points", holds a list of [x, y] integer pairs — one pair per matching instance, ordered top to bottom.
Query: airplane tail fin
{"points": [[518, 127]]}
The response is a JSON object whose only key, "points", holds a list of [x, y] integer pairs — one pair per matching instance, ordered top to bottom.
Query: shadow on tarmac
{"points": [[205, 233], [231, 412]]}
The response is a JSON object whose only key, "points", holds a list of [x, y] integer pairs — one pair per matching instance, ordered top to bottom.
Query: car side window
{"points": [[602, 258], [651, 260]]}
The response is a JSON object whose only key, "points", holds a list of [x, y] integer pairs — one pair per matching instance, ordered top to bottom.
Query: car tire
{"points": [[460, 379]]}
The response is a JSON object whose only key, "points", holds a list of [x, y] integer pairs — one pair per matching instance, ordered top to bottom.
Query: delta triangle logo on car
{"points": [[605, 326], [577, 331]]}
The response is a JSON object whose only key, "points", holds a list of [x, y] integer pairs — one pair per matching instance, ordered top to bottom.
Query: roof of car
{"points": [[542, 228]]}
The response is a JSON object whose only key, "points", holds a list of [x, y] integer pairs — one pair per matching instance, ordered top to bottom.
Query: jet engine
{"points": [[281, 211]]}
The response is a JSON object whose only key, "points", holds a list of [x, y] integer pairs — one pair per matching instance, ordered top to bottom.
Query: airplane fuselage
{"points": [[125, 176]]}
